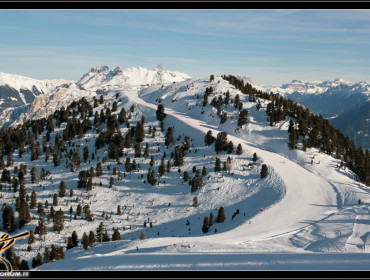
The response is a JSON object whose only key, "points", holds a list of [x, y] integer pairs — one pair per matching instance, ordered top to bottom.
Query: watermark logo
{"points": [[5, 243]]}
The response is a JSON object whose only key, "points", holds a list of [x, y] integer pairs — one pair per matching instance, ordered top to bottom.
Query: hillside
{"points": [[17, 93], [340, 101], [310, 206]]}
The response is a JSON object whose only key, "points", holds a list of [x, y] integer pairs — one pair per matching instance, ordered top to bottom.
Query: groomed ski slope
{"points": [[306, 199], [316, 213]]}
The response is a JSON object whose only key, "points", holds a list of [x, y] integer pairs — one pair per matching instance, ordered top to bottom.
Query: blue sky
{"points": [[270, 46]]}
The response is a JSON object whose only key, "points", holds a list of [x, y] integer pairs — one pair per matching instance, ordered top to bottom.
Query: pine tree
{"points": [[205, 100], [237, 101], [160, 112], [243, 117], [139, 131], [169, 138], [209, 139], [293, 139], [221, 142], [186, 144], [304, 145], [230, 147], [137, 148], [239, 149], [112, 150], [146, 151], [86, 153], [178, 156], [255, 158], [152, 161], [217, 165], [161, 168], [168, 168], [99, 169], [204, 171], [264, 171], [33, 175], [186, 176], [151, 177], [111, 182], [197, 182], [62, 189], [22, 192], [55, 199], [33, 200], [195, 201], [79, 210], [24, 214], [221, 215], [8, 219], [58, 221], [205, 226], [41, 228], [99, 232], [116, 235], [142, 235], [105, 236], [31, 238], [74, 238], [92, 238], [85, 241], [70, 244], [55, 253], [47, 255], [12, 257], [37, 261], [24, 265]]}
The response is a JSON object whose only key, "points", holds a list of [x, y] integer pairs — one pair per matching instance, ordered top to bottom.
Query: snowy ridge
{"points": [[100, 76], [20, 82], [338, 86], [304, 204], [311, 218]]}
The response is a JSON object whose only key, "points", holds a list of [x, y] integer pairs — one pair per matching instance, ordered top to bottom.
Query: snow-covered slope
{"points": [[119, 77], [20, 82], [306, 87], [17, 92], [53, 97], [327, 98], [333, 99], [309, 209]]}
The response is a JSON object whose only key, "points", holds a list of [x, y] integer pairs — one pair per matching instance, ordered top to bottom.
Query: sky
{"points": [[271, 46]]}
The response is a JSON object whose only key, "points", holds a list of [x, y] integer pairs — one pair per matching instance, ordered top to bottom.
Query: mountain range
{"points": [[346, 105], [169, 172]]}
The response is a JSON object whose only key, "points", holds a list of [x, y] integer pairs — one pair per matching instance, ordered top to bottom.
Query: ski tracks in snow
{"points": [[307, 194]]}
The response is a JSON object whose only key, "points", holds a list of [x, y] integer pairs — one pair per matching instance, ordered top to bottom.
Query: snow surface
{"points": [[20, 82], [318, 87], [311, 218]]}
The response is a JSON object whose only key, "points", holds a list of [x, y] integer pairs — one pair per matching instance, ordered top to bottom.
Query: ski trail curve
{"points": [[308, 197]]}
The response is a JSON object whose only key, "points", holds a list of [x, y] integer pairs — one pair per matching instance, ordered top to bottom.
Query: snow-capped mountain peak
{"points": [[103, 76], [18, 82]]}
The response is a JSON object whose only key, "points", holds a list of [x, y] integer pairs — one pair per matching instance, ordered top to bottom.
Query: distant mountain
{"points": [[103, 76], [16, 92], [37, 99], [343, 103], [356, 124]]}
